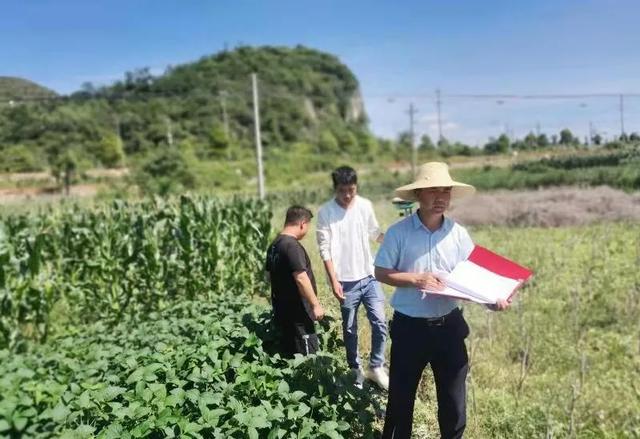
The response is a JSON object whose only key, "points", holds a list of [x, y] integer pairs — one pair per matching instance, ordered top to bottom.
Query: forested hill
{"points": [[17, 88], [308, 100]]}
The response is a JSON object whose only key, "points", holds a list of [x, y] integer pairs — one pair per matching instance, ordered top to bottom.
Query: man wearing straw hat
{"points": [[427, 328]]}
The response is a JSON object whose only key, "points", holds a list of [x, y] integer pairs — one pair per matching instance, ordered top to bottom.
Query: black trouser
{"points": [[297, 337], [416, 342]]}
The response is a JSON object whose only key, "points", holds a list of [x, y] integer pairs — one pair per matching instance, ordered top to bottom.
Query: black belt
{"points": [[430, 321]]}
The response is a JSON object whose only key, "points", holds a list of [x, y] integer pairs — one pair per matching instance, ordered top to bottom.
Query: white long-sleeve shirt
{"points": [[343, 236]]}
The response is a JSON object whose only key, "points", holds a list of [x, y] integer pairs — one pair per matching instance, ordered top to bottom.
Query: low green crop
{"points": [[195, 370]]}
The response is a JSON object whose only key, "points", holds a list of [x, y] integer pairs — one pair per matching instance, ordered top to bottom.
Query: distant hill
{"points": [[17, 88], [309, 101]]}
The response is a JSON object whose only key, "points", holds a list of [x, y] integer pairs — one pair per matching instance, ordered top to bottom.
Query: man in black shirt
{"points": [[293, 286]]}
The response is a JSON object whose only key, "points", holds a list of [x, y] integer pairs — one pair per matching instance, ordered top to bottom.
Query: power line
{"points": [[215, 94], [539, 96]]}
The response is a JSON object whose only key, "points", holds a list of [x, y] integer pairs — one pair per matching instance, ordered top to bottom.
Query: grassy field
{"points": [[564, 360]]}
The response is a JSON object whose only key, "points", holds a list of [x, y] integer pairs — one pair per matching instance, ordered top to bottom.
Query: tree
{"points": [[88, 88], [566, 137], [634, 137], [597, 139], [542, 140], [218, 141], [404, 141], [530, 141], [348, 142], [328, 143], [443, 143], [368, 144], [426, 144], [497, 146], [110, 151], [18, 158], [65, 167], [165, 171]]}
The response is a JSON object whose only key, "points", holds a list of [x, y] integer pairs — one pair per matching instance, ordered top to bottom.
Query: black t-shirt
{"points": [[284, 257]]}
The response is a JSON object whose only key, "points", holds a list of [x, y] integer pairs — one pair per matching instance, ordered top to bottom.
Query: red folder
{"points": [[499, 264], [485, 277]]}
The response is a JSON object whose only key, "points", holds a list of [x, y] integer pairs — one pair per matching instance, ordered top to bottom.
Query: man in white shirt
{"points": [[345, 225]]}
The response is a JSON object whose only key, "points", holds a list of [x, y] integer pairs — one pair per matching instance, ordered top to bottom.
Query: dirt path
{"points": [[21, 195], [551, 207]]}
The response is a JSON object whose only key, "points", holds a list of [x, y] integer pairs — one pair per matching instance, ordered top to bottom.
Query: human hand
{"points": [[428, 282], [337, 291], [500, 305], [317, 312]]}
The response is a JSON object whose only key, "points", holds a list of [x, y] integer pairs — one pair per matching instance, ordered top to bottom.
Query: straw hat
{"points": [[434, 174]]}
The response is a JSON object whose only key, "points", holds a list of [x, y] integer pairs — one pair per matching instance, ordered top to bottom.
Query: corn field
{"points": [[124, 259]]}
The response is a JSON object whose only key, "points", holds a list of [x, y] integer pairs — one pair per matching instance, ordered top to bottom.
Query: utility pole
{"points": [[438, 105], [622, 115], [225, 120], [256, 122], [538, 129], [590, 133], [414, 150]]}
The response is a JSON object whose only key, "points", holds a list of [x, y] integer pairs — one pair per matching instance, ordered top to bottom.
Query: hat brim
{"points": [[458, 190]]}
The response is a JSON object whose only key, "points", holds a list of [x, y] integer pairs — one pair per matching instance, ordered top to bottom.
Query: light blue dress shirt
{"points": [[409, 246]]}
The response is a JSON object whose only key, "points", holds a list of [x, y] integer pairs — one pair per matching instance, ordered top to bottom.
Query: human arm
{"points": [[373, 228], [323, 237], [388, 268], [420, 281], [336, 287], [305, 289]]}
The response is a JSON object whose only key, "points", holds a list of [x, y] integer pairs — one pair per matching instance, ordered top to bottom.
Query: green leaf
{"points": [[136, 375], [283, 388], [110, 393], [84, 401], [60, 412], [19, 423], [4, 425], [192, 427], [85, 430], [113, 431], [276, 433]]}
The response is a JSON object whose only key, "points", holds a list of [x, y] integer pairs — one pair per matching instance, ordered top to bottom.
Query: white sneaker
{"points": [[379, 376], [359, 377]]}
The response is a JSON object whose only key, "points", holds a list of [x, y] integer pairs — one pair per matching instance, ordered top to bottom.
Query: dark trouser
{"points": [[297, 337], [416, 342]]}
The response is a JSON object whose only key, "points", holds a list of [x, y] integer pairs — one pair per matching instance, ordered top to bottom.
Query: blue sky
{"points": [[401, 52]]}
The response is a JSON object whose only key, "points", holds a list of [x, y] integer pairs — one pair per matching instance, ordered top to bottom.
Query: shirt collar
{"points": [[415, 218]]}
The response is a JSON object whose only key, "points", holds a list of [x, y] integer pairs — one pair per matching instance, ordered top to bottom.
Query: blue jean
{"points": [[368, 292]]}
